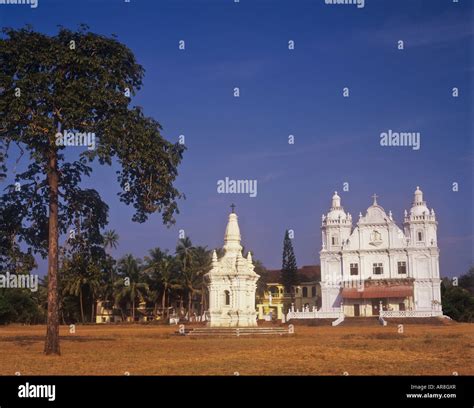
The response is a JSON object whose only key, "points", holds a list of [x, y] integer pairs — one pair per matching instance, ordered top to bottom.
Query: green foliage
{"points": [[81, 90], [289, 270], [466, 281], [458, 301], [19, 306]]}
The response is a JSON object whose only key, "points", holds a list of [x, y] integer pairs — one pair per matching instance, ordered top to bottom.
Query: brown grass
{"points": [[155, 350]]}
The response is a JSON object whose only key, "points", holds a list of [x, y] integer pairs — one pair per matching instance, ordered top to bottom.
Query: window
{"points": [[420, 235], [334, 240], [377, 268], [402, 268], [354, 269], [305, 291], [313, 291], [227, 297]]}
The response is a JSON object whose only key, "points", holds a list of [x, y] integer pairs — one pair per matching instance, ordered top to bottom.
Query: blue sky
{"points": [[295, 92]]}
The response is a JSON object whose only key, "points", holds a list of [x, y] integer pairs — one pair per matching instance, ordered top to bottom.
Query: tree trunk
{"points": [[203, 299], [163, 302], [190, 302], [82, 305], [92, 310], [133, 310], [52, 329]]}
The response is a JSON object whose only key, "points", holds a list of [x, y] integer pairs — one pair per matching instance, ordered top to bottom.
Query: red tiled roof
{"points": [[306, 273], [372, 292]]}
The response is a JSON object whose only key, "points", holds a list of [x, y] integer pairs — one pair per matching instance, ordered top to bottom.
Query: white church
{"points": [[377, 268]]}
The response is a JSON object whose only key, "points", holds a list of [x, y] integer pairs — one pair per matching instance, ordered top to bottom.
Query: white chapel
{"points": [[377, 265], [232, 283]]}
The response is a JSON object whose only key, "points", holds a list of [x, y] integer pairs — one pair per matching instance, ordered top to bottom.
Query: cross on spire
{"points": [[375, 199], [233, 208]]}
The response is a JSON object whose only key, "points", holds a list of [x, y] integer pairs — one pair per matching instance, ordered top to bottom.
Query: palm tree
{"points": [[110, 239], [184, 252], [185, 257], [161, 266], [201, 266], [81, 275], [132, 288]]}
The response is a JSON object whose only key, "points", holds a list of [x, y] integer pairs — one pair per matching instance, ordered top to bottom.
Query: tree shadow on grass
{"points": [[30, 340]]}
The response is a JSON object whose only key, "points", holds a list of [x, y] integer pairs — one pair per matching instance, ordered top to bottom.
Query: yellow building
{"points": [[275, 301]]}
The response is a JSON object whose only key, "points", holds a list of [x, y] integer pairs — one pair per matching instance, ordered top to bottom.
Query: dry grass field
{"points": [[155, 350]]}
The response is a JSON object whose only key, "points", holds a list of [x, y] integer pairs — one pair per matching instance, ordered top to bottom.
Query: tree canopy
{"points": [[63, 86]]}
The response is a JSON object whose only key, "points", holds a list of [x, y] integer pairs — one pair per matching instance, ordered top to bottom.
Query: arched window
{"points": [[420, 235], [305, 291], [313, 291], [227, 297]]}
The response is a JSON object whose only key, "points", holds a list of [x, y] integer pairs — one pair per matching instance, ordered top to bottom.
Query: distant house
{"points": [[275, 301], [106, 313]]}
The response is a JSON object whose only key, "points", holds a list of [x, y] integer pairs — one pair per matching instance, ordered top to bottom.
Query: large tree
{"points": [[75, 82], [289, 270]]}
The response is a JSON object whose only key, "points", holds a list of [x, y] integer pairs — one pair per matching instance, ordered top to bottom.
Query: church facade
{"points": [[378, 266]]}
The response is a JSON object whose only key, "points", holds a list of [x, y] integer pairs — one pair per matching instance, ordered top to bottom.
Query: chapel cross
{"points": [[375, 199], [233, 208]]}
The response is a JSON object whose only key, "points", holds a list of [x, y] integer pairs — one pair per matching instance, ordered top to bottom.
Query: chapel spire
{"points": [[232, 234]]}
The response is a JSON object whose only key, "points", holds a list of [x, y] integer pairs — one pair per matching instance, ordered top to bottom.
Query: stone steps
{"points": [[360, 321], [311, 322], [236, 331]]}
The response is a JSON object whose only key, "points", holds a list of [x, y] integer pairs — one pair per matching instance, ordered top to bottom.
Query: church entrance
{"points": [[375, 307], [356, 310]]}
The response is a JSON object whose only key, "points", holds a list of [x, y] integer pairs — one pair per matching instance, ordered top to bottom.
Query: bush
{"points": [[18, 306]]}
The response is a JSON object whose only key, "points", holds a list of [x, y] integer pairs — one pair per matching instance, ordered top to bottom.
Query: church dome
{"points": [[419, 207], [337, 211]]}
